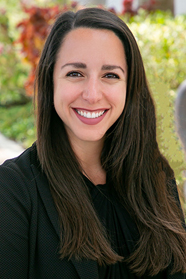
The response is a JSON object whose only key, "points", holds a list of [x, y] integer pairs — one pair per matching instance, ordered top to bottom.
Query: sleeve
{"points": [[14, 225]]}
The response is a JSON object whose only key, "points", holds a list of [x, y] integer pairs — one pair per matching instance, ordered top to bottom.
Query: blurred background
{"points": [[160, 30]]}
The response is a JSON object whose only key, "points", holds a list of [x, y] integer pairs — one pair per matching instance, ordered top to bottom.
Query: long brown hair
{"points": [[142, 176]]}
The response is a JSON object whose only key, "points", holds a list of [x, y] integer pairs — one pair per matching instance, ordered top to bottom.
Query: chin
{"points": [[91, 137]]}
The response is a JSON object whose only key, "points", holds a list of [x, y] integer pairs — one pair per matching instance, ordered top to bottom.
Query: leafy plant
{"points": [[34, 30], [161, 39], [12, 72], [17, 123]]}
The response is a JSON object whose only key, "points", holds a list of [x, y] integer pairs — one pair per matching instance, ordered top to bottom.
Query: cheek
{"points": [[64, 93], [118, 98]]}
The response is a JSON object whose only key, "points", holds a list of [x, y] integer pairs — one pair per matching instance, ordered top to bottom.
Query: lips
{"points": [[89, 114], [90, 117]]}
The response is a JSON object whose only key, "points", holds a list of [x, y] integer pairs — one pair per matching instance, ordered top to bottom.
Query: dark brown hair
{"points": [[141, 175]]}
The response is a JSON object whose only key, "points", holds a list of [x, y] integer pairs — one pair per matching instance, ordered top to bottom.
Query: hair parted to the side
{"points": [[140, 174]]}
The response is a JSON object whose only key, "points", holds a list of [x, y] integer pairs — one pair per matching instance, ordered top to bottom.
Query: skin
{"points": [[90, 78]]}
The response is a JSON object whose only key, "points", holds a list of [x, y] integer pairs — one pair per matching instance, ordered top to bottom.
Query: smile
{"points": [[89, 114]]}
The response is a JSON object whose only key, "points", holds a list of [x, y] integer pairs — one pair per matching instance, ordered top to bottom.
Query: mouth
{"points": [[89, 114]]}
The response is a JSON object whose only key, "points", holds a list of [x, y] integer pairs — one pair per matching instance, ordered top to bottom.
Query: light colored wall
{"points": [[92, 2], [116, 4], [179, 7]]}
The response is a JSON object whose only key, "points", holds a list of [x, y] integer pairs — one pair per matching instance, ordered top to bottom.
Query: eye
{"points": [[74, 74], [111, 75]]}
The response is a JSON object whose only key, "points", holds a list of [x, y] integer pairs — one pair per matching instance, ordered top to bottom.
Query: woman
{"points": [[93, 198]]}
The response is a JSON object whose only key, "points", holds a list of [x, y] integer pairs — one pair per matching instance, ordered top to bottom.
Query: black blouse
{"points": [[120, 228]]}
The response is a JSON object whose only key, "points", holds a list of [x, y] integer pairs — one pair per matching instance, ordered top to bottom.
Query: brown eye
{"points": [[74, 74], [111, 75]]}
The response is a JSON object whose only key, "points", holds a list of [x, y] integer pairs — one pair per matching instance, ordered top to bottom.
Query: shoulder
{"points": [[21, 165], [16, 176], [18, 214]]}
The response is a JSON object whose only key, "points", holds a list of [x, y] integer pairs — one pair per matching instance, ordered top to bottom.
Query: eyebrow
{"points": [[76, 65], [80, 65], [112, 67]]}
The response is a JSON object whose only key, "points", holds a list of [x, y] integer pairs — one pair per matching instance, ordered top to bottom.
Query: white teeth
{"points": [[90, 114]]}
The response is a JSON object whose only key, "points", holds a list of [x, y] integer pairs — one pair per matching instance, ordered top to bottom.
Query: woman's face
{"points": [[90, 77]]}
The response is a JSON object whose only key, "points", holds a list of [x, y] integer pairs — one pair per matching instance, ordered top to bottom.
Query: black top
{"points": [[118, 225], [30, 231]]}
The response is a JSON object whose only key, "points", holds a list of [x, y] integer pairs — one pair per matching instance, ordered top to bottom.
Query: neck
{"points": [[89, 156]]}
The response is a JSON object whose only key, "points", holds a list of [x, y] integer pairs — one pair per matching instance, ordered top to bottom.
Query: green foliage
{"points": [[161, 39], [12, 71], [17, 123]]}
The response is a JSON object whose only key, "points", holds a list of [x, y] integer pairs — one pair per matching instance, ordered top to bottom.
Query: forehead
{"points": [[91, 33], [82, 41]]}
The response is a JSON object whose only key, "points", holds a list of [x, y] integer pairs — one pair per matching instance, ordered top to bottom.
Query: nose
{"points": [[92, 90]]}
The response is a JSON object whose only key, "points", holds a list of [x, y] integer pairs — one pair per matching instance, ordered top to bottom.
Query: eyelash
{"points": [[74, 74], [77, 74], [111, 75]]}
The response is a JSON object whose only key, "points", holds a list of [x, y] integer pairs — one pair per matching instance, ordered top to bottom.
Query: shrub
{"points": [[34, 30], [161, 39], [12, 72]]}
